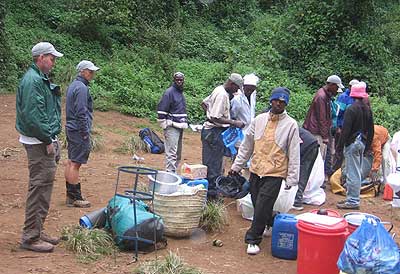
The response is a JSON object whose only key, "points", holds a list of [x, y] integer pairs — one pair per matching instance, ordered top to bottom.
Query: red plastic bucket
{"points": [[328, 212], [354, 219], [319, 246]]}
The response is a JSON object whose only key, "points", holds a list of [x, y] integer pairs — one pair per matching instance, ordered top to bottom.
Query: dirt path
{"points": [[98, 185]]}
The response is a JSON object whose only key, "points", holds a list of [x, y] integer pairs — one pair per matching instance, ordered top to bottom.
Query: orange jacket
{"points": [[381, 136]]}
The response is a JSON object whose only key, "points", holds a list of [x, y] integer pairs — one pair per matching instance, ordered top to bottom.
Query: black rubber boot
{"points": [[74, 196]]}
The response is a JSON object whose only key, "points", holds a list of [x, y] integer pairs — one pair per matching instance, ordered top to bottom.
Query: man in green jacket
{"points": [[38, 122]]}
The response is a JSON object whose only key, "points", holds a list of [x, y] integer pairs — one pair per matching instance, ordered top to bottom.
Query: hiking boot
{"points": [[74, 196], [77, 203], [347, 205], [49, 239], [38, 246], [253, 249]]}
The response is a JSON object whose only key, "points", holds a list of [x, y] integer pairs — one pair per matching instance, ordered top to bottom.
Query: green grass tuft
{"points": [[96, 140], [133, 145], [214, 217], [88, 244], [172, 264]]}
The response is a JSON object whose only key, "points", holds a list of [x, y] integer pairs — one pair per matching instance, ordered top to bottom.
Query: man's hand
{"points": [[238, 124], [50, 149]]}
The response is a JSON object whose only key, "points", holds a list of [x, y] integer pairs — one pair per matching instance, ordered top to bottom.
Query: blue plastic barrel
{"points": [[189, 182], [284, 237]]}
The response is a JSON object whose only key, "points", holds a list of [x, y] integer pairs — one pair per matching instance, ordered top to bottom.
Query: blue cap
{"points": [[280, 93], [85, 222]]}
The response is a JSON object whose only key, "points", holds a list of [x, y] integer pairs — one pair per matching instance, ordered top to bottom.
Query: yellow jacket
{"points": [[273, 143]]}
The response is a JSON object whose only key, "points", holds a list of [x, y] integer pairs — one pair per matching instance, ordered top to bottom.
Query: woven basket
{"points": [[180, 214]]}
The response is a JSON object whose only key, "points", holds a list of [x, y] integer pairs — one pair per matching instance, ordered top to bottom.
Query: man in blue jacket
{"points": [[79, 116], [172, 118], [38, 121]]}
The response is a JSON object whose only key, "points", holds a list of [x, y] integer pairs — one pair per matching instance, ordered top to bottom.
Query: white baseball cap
{"points": [[45, 48], [85, 64], [250, 79], [334, 79]]}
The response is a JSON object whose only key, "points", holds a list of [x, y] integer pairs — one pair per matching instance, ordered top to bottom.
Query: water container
{"points": [[189, 182], [354, 219], [284, 237], [321, 240]]}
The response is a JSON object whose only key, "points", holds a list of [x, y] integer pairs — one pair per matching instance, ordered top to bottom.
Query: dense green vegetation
{"points": [[139, 44]]}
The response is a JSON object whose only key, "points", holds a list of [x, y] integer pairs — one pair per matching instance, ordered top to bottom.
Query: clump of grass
{"points": [[62, 138], [96, 140], [133, 145], [214, 217], [88, 244], [172, 264]]}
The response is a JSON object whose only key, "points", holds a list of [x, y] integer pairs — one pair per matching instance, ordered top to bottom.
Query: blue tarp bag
{"points": [[230, 137], [121, 221], [370, 249]]}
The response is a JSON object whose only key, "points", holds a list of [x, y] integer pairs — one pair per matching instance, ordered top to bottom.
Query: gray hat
{"points": [[45, 48], [85, 64], [179, 74], [237, 79], [334, 79], [354, 82]]}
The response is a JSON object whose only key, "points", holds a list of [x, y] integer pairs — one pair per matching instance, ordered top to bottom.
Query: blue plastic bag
{"points": [[230, 137], [370, 249]]}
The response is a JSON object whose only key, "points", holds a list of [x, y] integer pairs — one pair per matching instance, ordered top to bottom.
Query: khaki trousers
{"points": [[42, 171]]}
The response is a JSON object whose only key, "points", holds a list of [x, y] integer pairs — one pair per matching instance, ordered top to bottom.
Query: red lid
{"points": [[340, 226]]}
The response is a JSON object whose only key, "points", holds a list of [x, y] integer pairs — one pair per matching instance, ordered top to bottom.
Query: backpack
{"points": [[152, 140], [121, 221]]}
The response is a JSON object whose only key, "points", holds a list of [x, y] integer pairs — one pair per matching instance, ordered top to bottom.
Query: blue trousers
{"points": [[353, 155]]}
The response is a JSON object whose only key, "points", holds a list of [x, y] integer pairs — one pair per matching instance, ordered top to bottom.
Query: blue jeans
{"points": [[353, 155]]}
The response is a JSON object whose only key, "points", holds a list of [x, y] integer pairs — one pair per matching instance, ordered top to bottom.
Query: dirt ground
{"points": [[98, 186]]}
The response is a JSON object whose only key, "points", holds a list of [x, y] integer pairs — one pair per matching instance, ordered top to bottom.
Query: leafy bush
{"points": [[139, 45], [4, 49]]}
